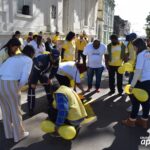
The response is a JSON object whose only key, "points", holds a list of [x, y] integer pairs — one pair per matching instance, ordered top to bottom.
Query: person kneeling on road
{"points": [[68, 107]]}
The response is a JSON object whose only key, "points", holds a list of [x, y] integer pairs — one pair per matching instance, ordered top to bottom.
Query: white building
{"points": [[48, 16]]}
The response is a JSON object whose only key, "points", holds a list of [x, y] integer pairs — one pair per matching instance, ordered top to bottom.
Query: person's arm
{"points": [[62, 53], [106, 61], [54, 70], [138, 71], [25, 73], [136, 77], [79, 85], [62, 108]]}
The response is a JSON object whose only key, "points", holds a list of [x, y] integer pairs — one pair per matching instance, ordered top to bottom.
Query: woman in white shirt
{"points": [[40, 46], [9, 49], [14, 73], [141, 79]]}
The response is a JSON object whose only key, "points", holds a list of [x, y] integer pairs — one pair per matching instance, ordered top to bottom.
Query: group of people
{"points": [[32, 65]]}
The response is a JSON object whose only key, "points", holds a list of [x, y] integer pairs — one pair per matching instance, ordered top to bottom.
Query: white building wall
{"points": [[70, 15]]}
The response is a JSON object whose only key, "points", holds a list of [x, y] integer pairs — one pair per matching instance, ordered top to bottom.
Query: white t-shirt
{"points": [[94, 55], [143, 63], [16, 68], [69, 69]]}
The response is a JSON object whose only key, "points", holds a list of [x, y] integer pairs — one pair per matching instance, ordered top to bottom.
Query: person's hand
{"points": [[48, 82], [130, 89]]}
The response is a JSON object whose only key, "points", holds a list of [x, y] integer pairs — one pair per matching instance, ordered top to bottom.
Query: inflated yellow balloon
{"points": [[46, 52], [128, 67], [121, 70], [72, 83], [126, 89], [140, 94], [54, 104], [47, 126], [67, 132]]}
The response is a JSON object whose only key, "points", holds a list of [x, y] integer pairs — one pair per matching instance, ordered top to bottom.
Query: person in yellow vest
{"points": [[85, 36], [56, 38], [80, 45], [68, 49], [131, 53], [113, 59], [68, 107]]}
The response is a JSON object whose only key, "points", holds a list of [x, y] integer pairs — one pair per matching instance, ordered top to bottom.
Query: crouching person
{"points": [[44, 69], [68, 107]]}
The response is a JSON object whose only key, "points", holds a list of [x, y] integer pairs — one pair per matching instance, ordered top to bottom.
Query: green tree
{"points": [[148, 25]]}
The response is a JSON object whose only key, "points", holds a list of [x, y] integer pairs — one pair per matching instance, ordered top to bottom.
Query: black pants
{"points": [[80, 54], [112, 71], [33, 79], [63, 80], [136, 104]]}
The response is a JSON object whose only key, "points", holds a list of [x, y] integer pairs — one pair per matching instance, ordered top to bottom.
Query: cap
{"points": [[133, 36]]}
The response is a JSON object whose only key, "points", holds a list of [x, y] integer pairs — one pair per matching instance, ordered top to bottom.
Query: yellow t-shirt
{"points": [[55, 38], [80, 45], [116, 52], [132, 53], [69, 54]]}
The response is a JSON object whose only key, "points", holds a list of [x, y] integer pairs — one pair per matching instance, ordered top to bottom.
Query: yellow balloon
{"points": [[46, 52], [128, 67], [121, 70], [72, 83], [126, 89], [140, 94], [54, 104], [47, 126], [67, 132]]}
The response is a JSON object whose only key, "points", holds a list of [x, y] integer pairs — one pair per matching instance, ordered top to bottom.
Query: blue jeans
{"points": [[90, 74]]}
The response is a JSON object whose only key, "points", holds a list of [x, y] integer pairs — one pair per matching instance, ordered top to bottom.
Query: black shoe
{"points": [[111, 93], [120, 94]]}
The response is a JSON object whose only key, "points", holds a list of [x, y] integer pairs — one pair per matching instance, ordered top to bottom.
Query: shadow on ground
{"points": [[109, 110]]}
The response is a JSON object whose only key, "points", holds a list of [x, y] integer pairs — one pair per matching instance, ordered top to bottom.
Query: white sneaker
{"points": [[25, 134]]}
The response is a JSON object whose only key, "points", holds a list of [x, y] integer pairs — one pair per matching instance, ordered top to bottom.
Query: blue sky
{"points": [[135, 11]]}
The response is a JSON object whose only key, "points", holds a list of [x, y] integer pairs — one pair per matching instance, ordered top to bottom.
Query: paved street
{"points": [[105, 134]]}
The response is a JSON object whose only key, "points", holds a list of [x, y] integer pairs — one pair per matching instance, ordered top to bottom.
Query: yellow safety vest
{"points": [[76, 108]]}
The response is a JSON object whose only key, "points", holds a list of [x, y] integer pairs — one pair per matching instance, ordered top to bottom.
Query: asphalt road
{"points": [[106, 133]]}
